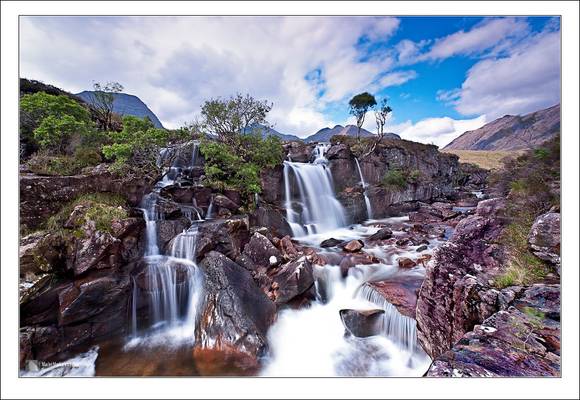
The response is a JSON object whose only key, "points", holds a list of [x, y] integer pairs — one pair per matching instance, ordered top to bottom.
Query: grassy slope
{"points": [[484, 158]]}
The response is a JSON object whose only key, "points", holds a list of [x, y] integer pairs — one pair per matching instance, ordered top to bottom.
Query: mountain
{"points": [[126, 104], [267, 131], [512, 132], [325, 134]]}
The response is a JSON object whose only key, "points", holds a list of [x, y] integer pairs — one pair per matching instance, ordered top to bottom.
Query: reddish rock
{"points": [[382, 234], [353, 246], [287, 248], [260, 250], [405, 262], [293, 279], [401, 292], [225, 361]]}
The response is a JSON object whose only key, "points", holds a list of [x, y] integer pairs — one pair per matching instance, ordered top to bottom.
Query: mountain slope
{"points": [[126, 104], [267, 131], [512, 132], [325, 134]]}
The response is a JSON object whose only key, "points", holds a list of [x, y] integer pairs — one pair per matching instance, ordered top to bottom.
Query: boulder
{"points": [[299, 151], [339, 151], [272, 182], [222, 201], [272, 217], [168, 229], [382, 234], [224, 236], [544, 238], [332, 242], [353, 246], [287, 248], [96, 250], [260, 250], [40, 252], [405, 262], [293, 279], [401, 292], [235, 313], [362, 323]]}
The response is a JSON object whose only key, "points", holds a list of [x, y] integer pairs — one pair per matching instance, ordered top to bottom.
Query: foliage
{"points": [[359, 105], [229, 118], [52, 121], [135, 147], [45, 163], [239, 167], [395, 178], [102, 208]]}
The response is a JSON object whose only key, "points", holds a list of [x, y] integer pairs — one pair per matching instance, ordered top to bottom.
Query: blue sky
{"points": [[442, 75]]}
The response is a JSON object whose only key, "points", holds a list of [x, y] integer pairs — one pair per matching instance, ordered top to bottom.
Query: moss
{"points": [[395, 178], [102, 208], [534, 313]]}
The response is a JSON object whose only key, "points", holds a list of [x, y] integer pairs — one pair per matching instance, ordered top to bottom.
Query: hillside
{"points": [[126, 104], [512, 132], [325, 134], [487, 159]]}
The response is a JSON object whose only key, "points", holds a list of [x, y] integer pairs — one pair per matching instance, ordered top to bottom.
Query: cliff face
{"points": [[512, 132]]}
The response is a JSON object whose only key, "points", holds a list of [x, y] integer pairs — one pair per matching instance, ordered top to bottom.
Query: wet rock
{"points": [[299, 151], [339, 151], [272, 182], [222, 201], [272, 217], [168, 229], [382, 234], [224, 236], [544, 238], [332, 242], [353, 246], [287, 248], [421, 248], [259, 249], [313, 256], [347, 261], [405, 262], [293, 279], [401, 292], [235, 312], [362, 323], [225, 361]]}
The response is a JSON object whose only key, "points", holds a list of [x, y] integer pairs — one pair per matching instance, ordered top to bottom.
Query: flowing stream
{"points": [[365, 188]]}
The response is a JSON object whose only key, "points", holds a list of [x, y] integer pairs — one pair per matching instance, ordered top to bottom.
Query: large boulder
{"points": [[299, 151], [272, 182], [273, 218], [227, 236], [544, 238], [260, 251], [40, 252], [292, 279], [401, 291], [235, 313], [362, 323]]}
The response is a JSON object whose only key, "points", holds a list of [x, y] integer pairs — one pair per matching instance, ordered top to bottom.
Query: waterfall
{"points": [[364, 185], [319, 210], [208, 214], [151, 215], [395, 325]]}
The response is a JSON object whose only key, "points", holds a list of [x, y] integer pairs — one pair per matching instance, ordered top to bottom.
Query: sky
{"points": [[442, 76]]}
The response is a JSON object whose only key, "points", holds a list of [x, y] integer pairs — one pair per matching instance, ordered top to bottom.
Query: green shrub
{"points": [[45, 163], [239, 167], [414, 176], [395, 178]]}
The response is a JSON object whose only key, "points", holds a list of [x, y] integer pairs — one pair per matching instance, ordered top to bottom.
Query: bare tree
{"points": [[103, 100], [381, 114], [228, 118]]}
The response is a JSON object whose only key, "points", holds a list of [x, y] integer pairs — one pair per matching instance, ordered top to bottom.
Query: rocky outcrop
{"points": [[43, 196], [273, 217], [227, 237], [544, 238], [456, 294], [235, 314], [362, 323], [523, 340]]}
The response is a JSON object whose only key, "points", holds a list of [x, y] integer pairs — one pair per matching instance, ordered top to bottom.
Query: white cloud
{"points": [[484, 36], [174, 63], [397, 78], [526, 80], [438, 131]]}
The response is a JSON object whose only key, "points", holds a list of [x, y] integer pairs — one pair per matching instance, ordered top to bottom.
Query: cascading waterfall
{"points": [[364, 185], [319, 209], [151, 215], [395, 325]]}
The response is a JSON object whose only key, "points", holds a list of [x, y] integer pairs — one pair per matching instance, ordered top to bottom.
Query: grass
{"points": [[486, 159], [102, 208], [522, 267]]}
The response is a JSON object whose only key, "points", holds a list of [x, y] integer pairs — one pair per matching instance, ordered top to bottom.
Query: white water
{"points": [[364, 186], [317, 209], [311, 341], [82, 365]]}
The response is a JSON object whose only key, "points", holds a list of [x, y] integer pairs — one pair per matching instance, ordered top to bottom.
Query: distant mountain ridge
{"points": [[125, 104], [268, 131], [512, 132], [325, 134]]}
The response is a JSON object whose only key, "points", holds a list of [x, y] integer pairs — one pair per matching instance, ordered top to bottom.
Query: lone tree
{"points": [[103, 99], [359, 106], [381, 114], [228, 118]]}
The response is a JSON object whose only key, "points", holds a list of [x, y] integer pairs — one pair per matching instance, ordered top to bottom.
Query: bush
{"points": [[52, 120], [45, 163], [239, 168], [395, 178]]}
